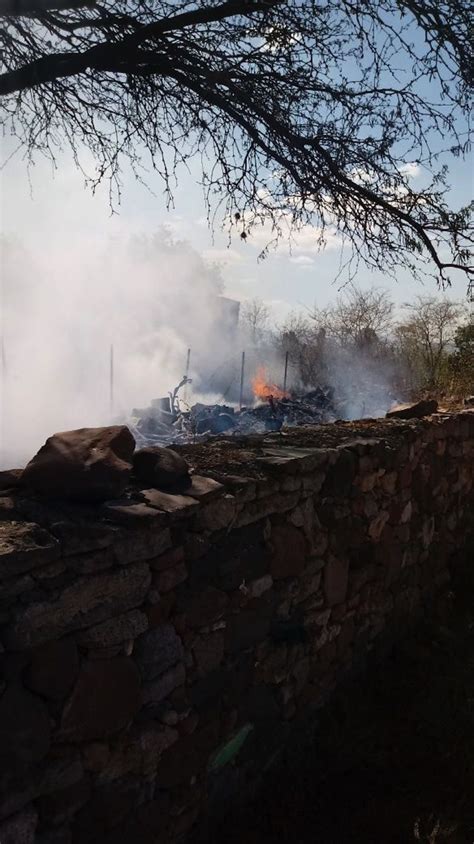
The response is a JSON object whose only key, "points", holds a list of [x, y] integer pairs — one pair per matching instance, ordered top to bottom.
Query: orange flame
{"points": [[262, 389]]}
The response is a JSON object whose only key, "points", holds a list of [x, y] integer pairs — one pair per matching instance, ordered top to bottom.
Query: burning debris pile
{"points": [[171, 420]]}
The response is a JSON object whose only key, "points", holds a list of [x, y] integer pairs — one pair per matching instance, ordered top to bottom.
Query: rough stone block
{"points": [[413, 411], [89, 464], [160, 467], [340, 475], [10, 478], [314, 482], [204, 489], [245, 489], [176, 506], [268, 506], [8, 508], [134, 513], [218, 514], [377, 525], [82, 536], [137, 545], [24, 547], [288, 547], [170, 558], [91, 561], [168, 579], [335, 580], [309, 585], [258, 587], [13, 588], [86, 602], [204, 607], [159, 612], [247, 628], [114, 631], [157, 650], [208, 652], [53, 669], [161, 688], [105, 698], [24, 730], [188, 757], [64, 768], [59, 806], [20, 828], [56, 835]]}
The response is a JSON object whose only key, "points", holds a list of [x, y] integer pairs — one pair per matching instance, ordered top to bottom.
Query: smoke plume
{"points": [[61, 312]]}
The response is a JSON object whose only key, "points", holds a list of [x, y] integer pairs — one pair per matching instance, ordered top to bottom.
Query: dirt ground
{"points": [[391, 761]]}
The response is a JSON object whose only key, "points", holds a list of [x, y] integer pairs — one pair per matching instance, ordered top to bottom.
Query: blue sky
{"points": [[53, 210]]}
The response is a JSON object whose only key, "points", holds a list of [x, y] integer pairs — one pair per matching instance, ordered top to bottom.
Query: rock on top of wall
{"points": [[413, 411], [88, 464], [161, 467]]}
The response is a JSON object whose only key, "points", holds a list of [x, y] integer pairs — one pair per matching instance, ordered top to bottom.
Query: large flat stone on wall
{"points": [[131, 546], [24, 547], [86, 602], [114, 631]]}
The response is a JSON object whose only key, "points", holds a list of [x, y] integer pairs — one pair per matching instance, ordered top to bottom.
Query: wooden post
{"points": [[188, 360], [242, 372], [286, 373], [111, 380]]}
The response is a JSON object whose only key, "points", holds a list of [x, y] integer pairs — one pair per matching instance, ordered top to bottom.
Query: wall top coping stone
{"points": [[75, 529]]}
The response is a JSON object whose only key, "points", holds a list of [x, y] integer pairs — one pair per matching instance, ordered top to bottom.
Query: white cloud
{"points": [[411, 169], [292, 241], [224, 256], [302, 260]]}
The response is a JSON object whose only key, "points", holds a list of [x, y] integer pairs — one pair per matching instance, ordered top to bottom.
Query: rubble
{"points": [[164, 422]]}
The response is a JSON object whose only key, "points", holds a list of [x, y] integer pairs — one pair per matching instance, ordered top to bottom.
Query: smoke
{"points": [[150, 299], [61, 311], [363, 382]]}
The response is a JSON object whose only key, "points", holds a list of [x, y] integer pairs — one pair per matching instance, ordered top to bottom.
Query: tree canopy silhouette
{"points": [[303, 112]]}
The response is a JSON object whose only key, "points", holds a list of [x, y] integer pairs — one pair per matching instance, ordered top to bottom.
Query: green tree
{"points": [[426, 338], [462, 360]]}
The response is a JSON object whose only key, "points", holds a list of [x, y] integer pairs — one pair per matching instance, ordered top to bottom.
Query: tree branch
{"points": [[33, 8]]}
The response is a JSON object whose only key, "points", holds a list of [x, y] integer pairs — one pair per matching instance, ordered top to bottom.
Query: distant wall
{"points": [[155, 660]]}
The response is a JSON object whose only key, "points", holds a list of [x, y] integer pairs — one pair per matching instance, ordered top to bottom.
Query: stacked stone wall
{"points": [[156, 654]]}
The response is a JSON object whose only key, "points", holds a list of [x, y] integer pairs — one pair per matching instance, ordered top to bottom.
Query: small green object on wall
{"points": [[229, 750]]}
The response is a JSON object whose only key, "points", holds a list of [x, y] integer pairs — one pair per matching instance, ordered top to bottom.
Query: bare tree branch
{"points": [[18, 8], [303, 112]]}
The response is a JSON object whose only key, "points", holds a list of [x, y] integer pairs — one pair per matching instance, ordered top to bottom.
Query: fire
{"points": [[262, 389]]}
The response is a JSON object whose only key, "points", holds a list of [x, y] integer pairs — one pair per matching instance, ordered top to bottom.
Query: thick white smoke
{"points": [[61, 312], [363, 383]]}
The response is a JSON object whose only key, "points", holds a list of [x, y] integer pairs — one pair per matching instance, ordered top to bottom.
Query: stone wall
{"points": [[157, 651]]}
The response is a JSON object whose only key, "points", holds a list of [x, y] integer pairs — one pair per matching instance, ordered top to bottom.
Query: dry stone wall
{"points": [[156, 653]]}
